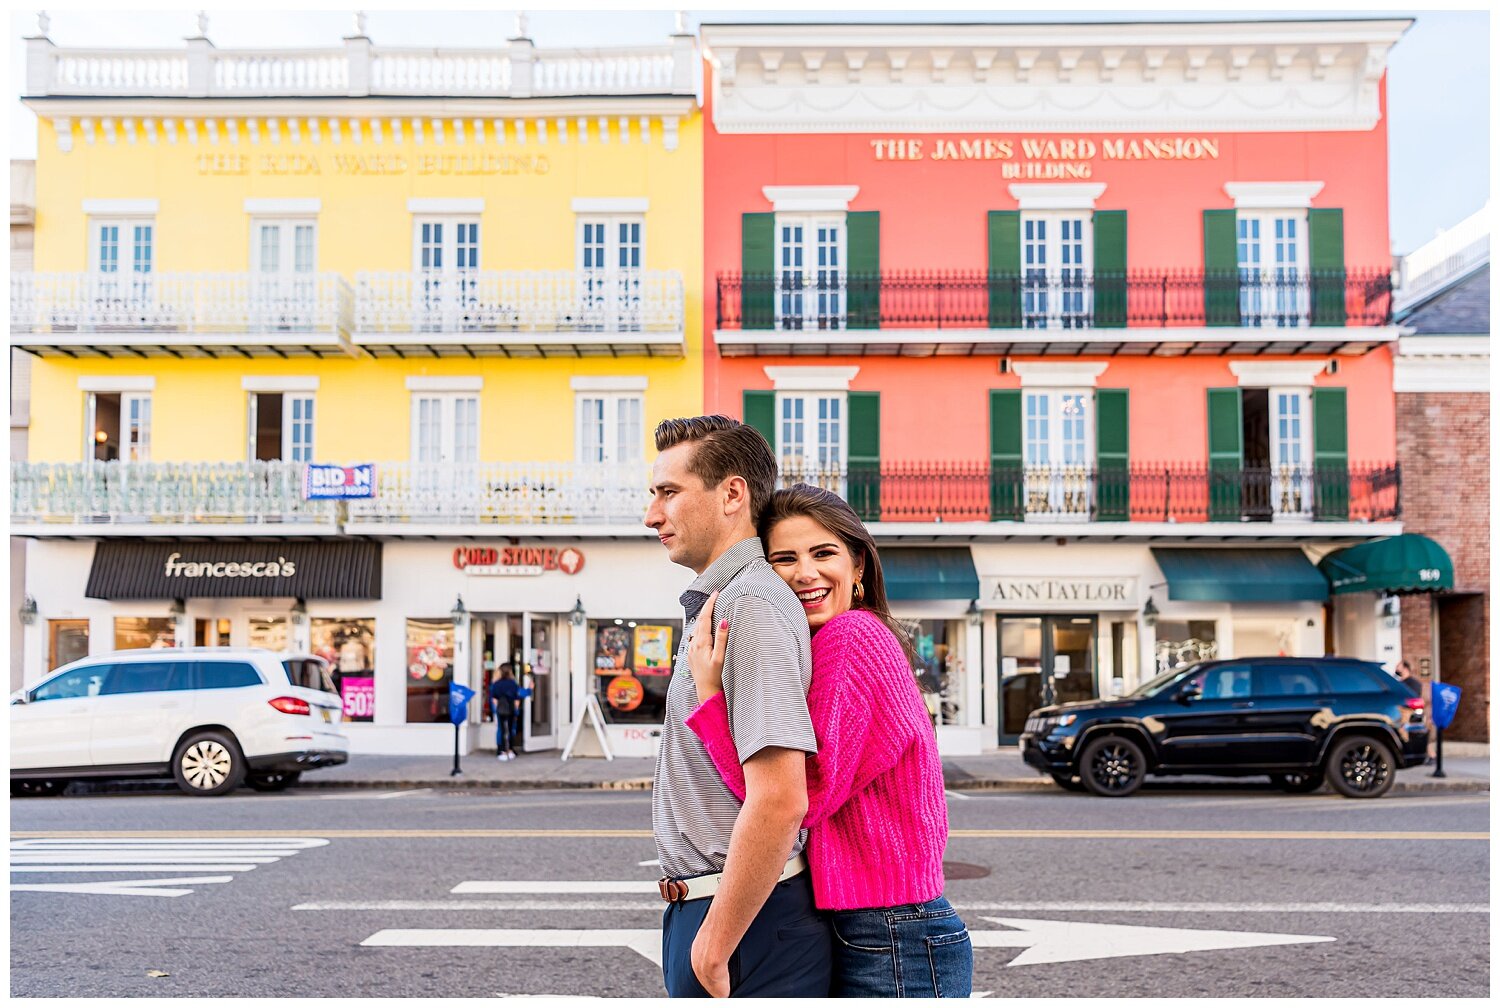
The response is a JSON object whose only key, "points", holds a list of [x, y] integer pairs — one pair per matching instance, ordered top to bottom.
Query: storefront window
{"points": [[145, 632], [269, 632], [67, 641], [1182, 642], [348, 645], [632, 663], [429, 669], [939, 672]]}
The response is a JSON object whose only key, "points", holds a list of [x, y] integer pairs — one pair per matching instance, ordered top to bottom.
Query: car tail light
{"points": [[1416, 703], [291, 705]]}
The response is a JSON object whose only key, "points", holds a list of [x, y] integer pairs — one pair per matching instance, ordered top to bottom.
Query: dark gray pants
{"points": [[787, 952]]}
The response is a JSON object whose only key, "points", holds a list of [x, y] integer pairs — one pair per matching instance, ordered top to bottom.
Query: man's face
{"points": [[687, 516]]}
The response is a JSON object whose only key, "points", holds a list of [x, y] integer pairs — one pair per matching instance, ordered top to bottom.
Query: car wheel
{"points": [[208, 763], [1113, 767], [1361, 767], [274, 781], [1067, 783], [1298, 783], [36, 788]]}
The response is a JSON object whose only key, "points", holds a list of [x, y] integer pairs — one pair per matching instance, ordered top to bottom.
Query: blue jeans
{"points": [[915, 950]]}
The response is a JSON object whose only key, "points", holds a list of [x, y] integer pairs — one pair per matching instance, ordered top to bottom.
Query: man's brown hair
{"points": [[724, 448]]}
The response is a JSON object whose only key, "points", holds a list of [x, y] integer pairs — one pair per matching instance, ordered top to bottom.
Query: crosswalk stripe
{"points": [[95, 854]]}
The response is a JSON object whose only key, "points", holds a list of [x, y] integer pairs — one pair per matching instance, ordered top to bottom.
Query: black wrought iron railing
{"points": [[1064, 299], [1145, 492]]}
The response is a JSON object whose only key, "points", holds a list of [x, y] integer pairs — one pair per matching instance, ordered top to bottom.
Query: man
{"points": [[505, 701], [740, 914]]}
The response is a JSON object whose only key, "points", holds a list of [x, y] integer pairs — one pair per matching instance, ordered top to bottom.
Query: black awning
{"points": [[309, 570]]}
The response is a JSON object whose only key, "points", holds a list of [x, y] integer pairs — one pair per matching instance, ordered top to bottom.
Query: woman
{"points": [[876, 816]]}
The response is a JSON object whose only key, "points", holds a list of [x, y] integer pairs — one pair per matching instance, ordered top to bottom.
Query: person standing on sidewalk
{"points": [[505, 702], [877, 816], [740, 917]]}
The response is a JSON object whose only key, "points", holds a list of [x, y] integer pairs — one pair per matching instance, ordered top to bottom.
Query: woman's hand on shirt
{"points": [[706, 652]]}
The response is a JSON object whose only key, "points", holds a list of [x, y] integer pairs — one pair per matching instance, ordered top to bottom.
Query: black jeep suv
{"points": [[1300, 720]]}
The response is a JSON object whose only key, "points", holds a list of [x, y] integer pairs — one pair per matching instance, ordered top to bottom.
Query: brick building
{"points": [[1442, 442]]}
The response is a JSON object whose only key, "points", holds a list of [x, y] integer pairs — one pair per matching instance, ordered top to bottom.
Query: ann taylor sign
{"points": [[1067, 594]]}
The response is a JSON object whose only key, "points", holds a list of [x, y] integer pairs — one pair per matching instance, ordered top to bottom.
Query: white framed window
{"points": [[122, 244], [1271, 248], [1057, 250], [611, 251], [811, 252], [445, 255], [283, 262], [119, 426], [281, 426], [444, 427], [609, 428], [812, 436], [1291, 451], [1058, 452]]}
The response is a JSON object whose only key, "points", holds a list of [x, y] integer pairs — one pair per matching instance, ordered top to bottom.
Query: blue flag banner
{"points": [[334, 482], [1445, 698], [458, 702]]}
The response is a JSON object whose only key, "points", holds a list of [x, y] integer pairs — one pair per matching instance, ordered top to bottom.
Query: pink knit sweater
{"points": [[876, 813]]}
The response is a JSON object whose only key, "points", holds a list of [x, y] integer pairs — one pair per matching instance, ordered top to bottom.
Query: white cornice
{"points": [[996, 78], [1056, 195], [1272, 195], [830, 198], [610, 204], [288, 207], [1442, 364], [1069, 374], [1265, 374], [811, 379], [279, 383], [444, 383], [607, 383]]}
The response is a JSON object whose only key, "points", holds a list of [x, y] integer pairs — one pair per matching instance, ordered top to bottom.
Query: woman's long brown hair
{"points": [[832, 512]]}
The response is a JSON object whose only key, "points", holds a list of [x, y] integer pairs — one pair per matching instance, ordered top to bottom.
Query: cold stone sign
{"points": [[517, 560], [311, 570], [1051, 594]]}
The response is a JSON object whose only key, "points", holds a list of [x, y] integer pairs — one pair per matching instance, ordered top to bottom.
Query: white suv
{"points": [[210, 717]]}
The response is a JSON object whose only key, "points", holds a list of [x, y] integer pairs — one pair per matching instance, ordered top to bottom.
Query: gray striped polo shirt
{"points": [[767, 671]]}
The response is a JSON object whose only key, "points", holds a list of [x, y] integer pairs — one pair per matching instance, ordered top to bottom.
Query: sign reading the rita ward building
{"points": [[312, 570]]}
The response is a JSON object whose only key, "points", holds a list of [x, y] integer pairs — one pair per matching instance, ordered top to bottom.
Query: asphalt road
{"points": [[1067, 895]]}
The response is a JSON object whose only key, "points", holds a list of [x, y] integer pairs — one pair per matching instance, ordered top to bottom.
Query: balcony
{"points": [[534, 313], [1163, 313], [181, 314], [914, 499]]}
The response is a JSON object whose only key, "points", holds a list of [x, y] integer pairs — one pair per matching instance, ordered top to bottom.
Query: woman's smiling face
{"points": [[818, 566]]}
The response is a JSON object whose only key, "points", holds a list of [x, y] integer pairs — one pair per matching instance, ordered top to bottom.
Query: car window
{"points": [[309, 673], [226, 675], [146, 677], [1350, 678], [1290, 679], [84, 681], [1162, 681], [1224, 682]]}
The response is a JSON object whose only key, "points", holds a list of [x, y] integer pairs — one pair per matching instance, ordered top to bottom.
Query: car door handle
{"points": [[1242, 704]]}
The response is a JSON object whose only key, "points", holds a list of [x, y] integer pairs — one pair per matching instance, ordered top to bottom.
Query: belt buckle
{"points": [[672, 890]]}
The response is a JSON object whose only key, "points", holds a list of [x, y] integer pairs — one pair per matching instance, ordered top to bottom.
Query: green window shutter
{"points": [[1325, 253], [864, 269], [1005, 269], [1109, 269], [1221, 269], [758, 271], [760, 413], [1330, 416], [1112, 438], [864, 454], [1226, 459], [1006, 500]]}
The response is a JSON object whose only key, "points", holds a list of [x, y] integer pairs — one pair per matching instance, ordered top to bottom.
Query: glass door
{"points": [[283, 257], [1044, 660], [539, 709]]}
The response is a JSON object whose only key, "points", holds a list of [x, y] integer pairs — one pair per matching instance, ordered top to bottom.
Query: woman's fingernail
{"points": [[723, 624]]}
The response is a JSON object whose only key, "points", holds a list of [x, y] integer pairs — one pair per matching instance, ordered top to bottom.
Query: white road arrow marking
{"points": [[126, 887], [646, 941], [1044, 941], [1073, 941]]}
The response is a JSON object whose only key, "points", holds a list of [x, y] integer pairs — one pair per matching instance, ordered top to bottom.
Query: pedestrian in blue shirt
{"points": [[505, 706]]}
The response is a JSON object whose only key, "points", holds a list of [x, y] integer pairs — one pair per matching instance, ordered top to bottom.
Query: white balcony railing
{"points": [[644, 301], [180, 302], [131, 493], [522, 493]]}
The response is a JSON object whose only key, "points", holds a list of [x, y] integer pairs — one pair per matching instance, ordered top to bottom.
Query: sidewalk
{"points": [[1466, 764]]}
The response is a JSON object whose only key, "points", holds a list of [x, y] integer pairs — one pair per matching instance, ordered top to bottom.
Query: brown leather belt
{"points": [[703, 886]]}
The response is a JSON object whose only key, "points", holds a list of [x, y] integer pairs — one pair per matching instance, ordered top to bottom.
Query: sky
{"points": [[1438, 83]]}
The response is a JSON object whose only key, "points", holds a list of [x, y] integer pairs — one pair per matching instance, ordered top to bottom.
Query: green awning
{"points": [[1400, 564], [921, 574], [1240, 575]]}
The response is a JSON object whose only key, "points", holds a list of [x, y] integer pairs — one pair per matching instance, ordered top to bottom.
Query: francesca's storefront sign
{"points": [[1046, 157], [517, 560], [1054, 594]]}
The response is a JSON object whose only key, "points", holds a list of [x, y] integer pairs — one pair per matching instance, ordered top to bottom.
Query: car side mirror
{"points": [[1189, 692], [18, 698]]}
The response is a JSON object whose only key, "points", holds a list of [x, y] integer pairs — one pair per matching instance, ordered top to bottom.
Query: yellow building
{"points": [[257, 273]]}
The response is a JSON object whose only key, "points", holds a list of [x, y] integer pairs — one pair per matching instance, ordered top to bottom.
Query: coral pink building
{"points": [[1091, 322]]}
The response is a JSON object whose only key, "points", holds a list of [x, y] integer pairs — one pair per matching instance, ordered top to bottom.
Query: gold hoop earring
{"points": [[859, 592]]}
